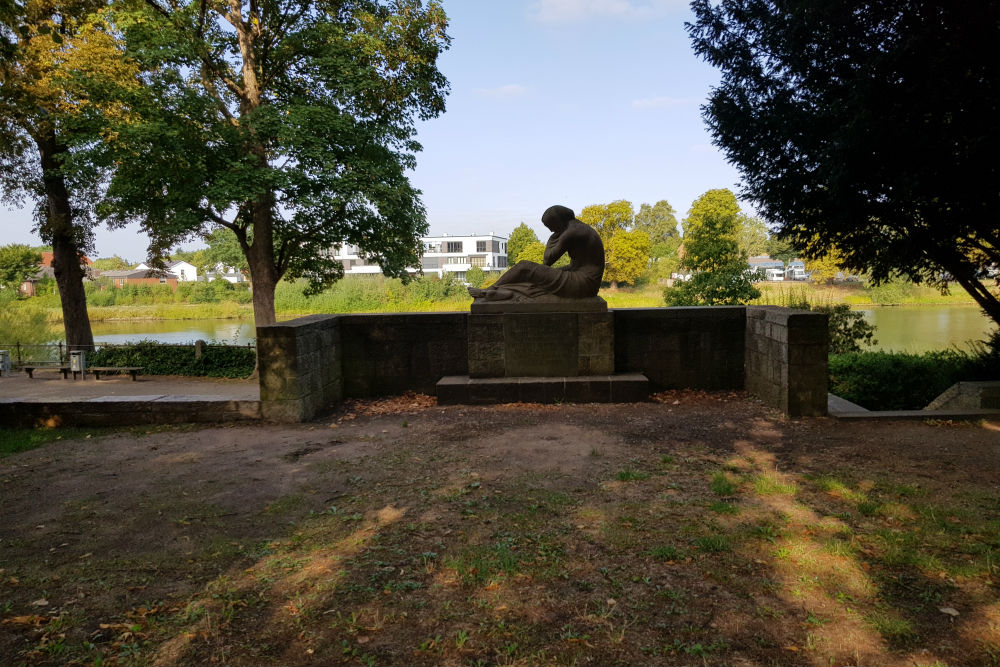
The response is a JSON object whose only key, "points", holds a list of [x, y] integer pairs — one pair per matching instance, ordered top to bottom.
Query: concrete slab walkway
{"points": [[48, 385], [49, 399], [843, 409]]}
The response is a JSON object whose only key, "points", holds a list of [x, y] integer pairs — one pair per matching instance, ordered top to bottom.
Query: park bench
{"points": [[31, 367], [131, 370]]}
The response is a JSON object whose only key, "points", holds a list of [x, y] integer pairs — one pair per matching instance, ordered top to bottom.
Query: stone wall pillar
{"points": [[786, 359], [299, 364]]}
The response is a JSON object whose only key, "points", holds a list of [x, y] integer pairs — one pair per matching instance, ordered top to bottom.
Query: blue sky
{"points": [[571, 102]]}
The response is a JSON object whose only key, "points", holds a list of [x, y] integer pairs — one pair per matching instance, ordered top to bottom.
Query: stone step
{"points": [[618, 388]]}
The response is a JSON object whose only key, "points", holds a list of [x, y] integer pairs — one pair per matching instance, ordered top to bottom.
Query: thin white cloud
{"points": [[561, 11], [510, 90], [663, 102]]}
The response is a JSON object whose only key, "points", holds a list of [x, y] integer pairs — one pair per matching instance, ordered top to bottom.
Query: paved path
{"points": [[50, 386]]}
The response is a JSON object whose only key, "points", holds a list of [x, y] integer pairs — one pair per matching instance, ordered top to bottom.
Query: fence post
{"points": [[18, 345], [60, 352]]}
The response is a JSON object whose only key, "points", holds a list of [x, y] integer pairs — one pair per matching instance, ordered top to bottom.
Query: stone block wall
{"points": [[558, 344], [678, 348], [391, 354], [777, 354], [786, 359], [299, 363]]}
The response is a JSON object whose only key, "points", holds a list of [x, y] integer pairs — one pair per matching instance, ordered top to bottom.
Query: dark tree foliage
{"points": [[868, 127]]}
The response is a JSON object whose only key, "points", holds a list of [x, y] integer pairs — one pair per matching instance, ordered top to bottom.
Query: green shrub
{"points": [[164, 359], [900, 381]]}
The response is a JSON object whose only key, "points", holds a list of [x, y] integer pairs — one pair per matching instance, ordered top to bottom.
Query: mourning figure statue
{"points": [[580, 280]]}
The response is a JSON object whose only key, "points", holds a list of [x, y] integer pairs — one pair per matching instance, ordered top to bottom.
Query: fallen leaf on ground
{"points": [[32, 619]]}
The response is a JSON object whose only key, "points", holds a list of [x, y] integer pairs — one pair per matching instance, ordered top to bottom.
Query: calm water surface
{"points": [[900, 328], [924, 328], [239, 332]]}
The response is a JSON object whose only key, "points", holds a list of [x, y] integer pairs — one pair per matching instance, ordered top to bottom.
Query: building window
{"points": [[454, 246], [480, 246], [456, 260], [478, 261], [502, 261], [429, 262], [163, 280]]}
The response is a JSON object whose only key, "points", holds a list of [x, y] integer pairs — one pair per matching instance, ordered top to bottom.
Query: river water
{"points": [[900, 328]]}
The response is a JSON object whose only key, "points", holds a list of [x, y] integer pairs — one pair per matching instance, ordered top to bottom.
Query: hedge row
{"points": [[228, 361], [900, 381]]}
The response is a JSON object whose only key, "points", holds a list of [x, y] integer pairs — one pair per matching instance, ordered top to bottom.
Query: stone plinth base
{"points": [[542, 342], [620, 388]]}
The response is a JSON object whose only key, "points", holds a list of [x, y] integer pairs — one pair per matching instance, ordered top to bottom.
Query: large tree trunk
{"points": [[67, 258], [264, 274]]}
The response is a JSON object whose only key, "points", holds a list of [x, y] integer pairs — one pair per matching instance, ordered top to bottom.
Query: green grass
{"points": [[16, 440], [629, 475], [768, 484], [722, 485], [722, 507], [714, 544], [666, 553], [897, 631]]}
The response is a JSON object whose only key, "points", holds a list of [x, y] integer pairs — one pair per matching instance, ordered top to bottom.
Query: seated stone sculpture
{"points": [[529, 280]]}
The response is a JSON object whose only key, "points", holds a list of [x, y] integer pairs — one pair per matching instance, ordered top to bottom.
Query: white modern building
{"points": [[442, 254], [183, 271]]}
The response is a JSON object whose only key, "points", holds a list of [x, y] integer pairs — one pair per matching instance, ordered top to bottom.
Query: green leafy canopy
{"points": [[291, 124]]}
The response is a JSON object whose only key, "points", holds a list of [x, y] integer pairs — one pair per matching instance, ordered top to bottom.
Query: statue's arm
{"points": [[554, 249]]}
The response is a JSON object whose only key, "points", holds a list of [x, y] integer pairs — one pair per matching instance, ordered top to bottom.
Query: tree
{"points": [[44, 47], [289, 123], [869, 127], [608, 218], [659, 221], [752, 235], [520, 238], [779, 248], [224, 249], [535, 252], [626, 257], [113, 263], [17, 264], [825, 269], [720, 273], [475, 276]]}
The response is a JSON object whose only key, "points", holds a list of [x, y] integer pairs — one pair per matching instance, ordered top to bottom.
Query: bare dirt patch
{"points": [[700, 528]]}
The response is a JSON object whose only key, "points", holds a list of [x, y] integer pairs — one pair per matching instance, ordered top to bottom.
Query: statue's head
{"points": [[557, 218]]}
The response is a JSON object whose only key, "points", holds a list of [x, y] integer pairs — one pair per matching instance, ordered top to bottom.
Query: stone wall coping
{"points": [[545, 304]]}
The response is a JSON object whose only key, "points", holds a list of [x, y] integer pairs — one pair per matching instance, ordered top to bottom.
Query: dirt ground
{"points": [[699, 529]]}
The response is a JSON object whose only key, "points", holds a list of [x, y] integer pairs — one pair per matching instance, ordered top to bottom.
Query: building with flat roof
{"points": [[454, 255]]}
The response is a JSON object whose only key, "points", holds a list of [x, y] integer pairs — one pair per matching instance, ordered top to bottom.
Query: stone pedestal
{"points": [[549, 337]]}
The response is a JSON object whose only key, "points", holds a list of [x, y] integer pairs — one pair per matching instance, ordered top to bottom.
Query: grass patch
{"points": [[16, 440], [631, 475], [770, 484], [723, 485], [722, 507], [712, 544], [666, 553], [899, 632]]}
